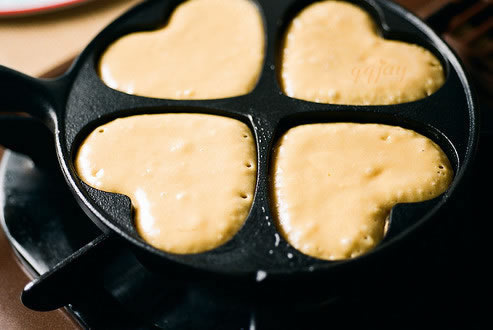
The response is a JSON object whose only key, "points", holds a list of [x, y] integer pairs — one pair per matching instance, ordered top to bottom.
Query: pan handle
{"points": [[22, 93], [38, 144], [71, 277]]}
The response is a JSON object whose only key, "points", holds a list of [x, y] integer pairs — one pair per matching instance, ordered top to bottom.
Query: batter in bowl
{"points": [[209, 49], [333, 54], [191, 177], [335, 184]]}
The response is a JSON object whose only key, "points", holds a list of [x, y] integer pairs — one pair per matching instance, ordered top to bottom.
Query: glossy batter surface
{"points": [[209, 49], [333, 54], [191, 177], [335, 184]]}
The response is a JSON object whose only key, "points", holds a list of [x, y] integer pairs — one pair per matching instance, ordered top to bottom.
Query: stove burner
{"points": [[438, 283]]}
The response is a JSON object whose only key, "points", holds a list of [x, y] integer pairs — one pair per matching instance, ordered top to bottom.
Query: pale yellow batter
{"points": [[209, 49], [333, 54], [191, 177], [335, 184]]}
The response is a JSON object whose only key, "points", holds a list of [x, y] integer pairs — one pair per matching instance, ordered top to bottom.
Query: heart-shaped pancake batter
{"points": [[209, 49], [333, 54], [191, 177], [335, 184]]}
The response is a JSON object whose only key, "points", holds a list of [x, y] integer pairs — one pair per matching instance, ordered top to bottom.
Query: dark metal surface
{"points": [[268, 112]]}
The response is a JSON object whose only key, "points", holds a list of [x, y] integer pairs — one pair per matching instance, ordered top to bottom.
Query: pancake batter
{"points": [[209, 49], [333, 54], [191, 177], [335, 184]]}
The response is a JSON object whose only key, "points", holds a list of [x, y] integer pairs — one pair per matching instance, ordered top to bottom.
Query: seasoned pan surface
{"points": [[76, 103]]}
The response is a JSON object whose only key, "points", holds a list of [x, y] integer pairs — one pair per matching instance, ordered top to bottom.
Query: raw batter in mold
{"points": [[209, 49], [333, 54], [191, 177], [335, 184]]}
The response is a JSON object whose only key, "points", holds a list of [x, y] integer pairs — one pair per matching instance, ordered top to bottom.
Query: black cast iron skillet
{"points": [[74, 104]]}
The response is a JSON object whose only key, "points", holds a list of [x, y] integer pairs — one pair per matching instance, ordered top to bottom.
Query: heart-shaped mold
{"points": [[209, 49], [332, 53], [190, 177], [334, 184]]}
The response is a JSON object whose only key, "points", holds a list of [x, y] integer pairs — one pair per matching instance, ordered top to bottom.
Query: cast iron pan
{"points": [[77, 102]]}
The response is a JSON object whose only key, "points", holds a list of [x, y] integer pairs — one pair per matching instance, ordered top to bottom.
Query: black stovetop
{"points": [[443, 284]]}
